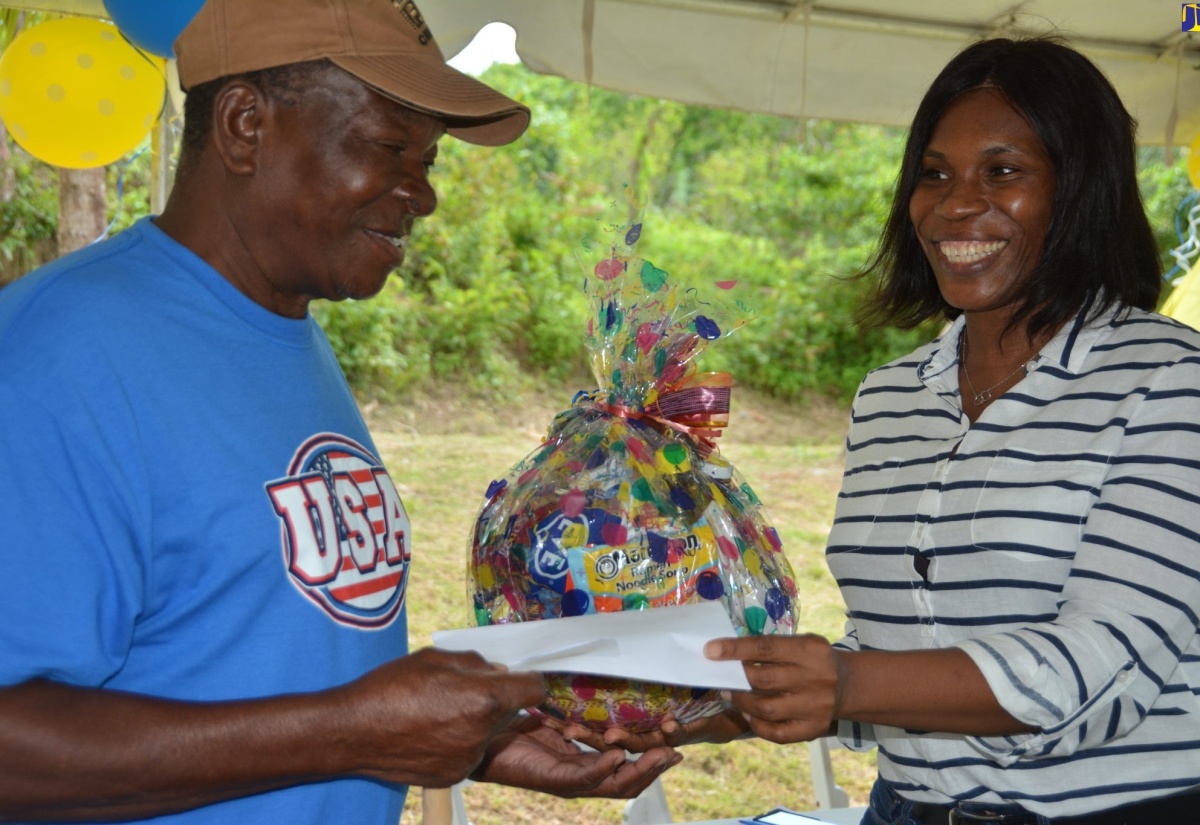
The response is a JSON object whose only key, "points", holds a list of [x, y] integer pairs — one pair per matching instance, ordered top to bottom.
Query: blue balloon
{"points": [[152, 25]]}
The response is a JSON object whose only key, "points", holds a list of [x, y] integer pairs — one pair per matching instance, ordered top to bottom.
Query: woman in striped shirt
{"points": [[1017, 537]]}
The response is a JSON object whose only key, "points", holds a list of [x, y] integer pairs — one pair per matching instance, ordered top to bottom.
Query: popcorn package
{"points": [[627, 505]]}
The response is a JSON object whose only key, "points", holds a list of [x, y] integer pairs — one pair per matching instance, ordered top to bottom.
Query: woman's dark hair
{"points": [[1098, 241]]}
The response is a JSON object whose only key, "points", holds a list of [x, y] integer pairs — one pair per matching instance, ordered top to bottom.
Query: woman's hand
{"points": [[801, 686], [795, 694]]}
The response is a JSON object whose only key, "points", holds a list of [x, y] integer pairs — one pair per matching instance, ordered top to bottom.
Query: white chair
{"points": [[829, 794], [444, 806], [649, 807]]}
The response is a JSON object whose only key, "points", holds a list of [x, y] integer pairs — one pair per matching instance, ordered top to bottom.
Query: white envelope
{"points": [[665, 644]]}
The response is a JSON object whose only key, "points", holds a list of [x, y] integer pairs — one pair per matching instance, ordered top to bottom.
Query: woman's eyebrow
{"points": [[998, 149]]}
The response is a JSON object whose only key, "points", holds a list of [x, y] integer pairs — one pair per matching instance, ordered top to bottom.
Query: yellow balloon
{"points": [[74, 93], [1193, 164]]}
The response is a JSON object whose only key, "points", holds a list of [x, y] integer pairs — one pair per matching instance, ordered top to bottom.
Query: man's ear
{"points": [[238, 112]]}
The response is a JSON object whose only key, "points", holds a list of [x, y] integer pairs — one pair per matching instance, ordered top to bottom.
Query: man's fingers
{"points": [[520, 690], [585, 736], [634, 742], [670, 759], [600, 766], [633, 776]]}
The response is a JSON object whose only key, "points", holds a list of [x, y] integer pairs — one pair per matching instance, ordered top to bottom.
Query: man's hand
{"points": [[428, 719], [69, 753], [533, 756]]}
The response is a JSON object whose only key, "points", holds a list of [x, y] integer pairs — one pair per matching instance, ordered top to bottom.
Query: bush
{"points": [[29, 219], [490, 295]]}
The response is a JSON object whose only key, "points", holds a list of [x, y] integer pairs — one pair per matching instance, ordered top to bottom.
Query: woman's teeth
{"points": [[968, 252]]}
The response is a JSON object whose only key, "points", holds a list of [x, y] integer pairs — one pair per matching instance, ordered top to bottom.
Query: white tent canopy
{"points": [[857, 60]]}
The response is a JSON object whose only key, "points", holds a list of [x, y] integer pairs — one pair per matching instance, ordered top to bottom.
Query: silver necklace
{"points": [[981, 397]]}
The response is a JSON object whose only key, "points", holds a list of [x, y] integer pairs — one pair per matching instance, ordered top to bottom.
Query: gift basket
{"points": [[627, 504]]}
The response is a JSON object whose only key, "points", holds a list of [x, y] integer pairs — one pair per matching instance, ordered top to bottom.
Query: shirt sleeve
{"points": [[73, 575], [1130, 605], [856, 736]]}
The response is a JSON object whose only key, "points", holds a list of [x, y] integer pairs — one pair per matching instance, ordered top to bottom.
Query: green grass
{"points": [[442, 454]]}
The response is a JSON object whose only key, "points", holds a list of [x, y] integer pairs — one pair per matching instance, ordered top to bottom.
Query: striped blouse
{"points": [[1058, 546]]}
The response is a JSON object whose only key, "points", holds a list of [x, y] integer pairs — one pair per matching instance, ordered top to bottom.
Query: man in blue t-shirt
{"points": [[205, 561]]}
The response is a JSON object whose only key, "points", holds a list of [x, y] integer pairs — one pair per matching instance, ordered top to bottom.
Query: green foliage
{"points": [[13, 21], [127, 187], [1166, 192], [789, 209], [31, 215], [29, 219], [493, 282], [490, 294], [378, 342]]}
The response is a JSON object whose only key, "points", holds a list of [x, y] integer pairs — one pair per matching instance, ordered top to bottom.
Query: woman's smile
{"points": [[969, 252]]}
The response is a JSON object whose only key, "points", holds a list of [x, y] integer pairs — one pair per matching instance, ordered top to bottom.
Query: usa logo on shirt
{"points": [[344, 531]]}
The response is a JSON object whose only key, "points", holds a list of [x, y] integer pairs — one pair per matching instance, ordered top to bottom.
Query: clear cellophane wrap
{"points": [[627, 504]]}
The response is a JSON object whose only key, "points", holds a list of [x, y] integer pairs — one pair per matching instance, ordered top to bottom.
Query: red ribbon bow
{"points": [[697, 406]]}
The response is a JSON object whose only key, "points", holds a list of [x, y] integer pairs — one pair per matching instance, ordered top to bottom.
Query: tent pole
{"points": [[162, 143], [160, 166]]}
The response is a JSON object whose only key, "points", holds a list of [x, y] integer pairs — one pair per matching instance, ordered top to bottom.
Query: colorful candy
{"points": [[626, 505]]}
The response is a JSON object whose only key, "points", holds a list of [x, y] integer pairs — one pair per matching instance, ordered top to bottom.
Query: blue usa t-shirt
{"points": [[190, 504]]}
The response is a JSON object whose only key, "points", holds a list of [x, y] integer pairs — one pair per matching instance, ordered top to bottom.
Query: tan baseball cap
{"points": [[384, 43]]}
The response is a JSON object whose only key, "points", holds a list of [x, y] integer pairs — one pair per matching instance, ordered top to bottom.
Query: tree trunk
{"points": [[11, 22], [8, 175], [82, 207]]}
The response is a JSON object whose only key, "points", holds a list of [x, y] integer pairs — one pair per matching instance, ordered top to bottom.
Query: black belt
{"points": [[1167, 810], [939, 815]]}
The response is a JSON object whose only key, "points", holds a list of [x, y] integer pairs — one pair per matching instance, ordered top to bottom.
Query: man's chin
{"points": [[361, 290]]}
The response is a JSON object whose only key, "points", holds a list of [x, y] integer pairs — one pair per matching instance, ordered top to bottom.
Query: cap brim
{"points": [[473, 111]]}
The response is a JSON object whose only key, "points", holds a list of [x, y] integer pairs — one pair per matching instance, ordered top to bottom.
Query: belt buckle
{"points": [[961, 817]]}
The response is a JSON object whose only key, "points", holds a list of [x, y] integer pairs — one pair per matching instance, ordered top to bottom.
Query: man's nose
{"points": [[419, 193]]}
